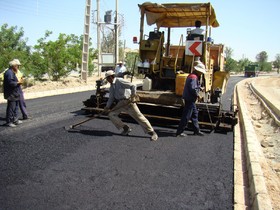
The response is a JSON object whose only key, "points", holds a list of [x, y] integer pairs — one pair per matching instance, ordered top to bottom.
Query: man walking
{"points": [[124, 93]]}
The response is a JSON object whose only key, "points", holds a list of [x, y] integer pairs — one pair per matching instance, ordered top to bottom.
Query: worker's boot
{"points": [[17, 122], [126, 130], [198, 133], [181, 135]]}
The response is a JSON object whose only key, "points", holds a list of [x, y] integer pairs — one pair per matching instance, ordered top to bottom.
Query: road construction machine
{"points": [[165, 65]]}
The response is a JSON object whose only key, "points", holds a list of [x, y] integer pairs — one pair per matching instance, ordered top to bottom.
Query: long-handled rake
{"points": [[93, 117], [84, 121]]}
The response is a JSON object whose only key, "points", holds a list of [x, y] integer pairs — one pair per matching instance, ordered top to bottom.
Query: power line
{"points": [[42, 10]]}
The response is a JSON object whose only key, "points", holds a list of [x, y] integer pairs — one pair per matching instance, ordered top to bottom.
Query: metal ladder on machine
{"points": [[85, 53]]}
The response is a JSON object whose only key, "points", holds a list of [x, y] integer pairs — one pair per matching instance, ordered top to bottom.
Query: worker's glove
{"points": [[134, 98], [106, 110]]}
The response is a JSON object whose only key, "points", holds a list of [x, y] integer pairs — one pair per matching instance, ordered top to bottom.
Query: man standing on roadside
{"points": [[120, 69], [124, 93], [12, 94], [190, 95], [22, 104]]}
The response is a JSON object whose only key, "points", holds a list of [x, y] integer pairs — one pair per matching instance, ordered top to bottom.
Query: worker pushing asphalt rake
{"points": [[93, 117]]}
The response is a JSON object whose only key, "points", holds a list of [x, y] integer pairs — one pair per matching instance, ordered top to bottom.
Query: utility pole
{"points": [[116, 24], [116, 34], [98, 38], [85, 53]]}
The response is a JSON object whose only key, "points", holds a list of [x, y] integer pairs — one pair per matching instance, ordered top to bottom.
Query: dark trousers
{"points": [[22, 105], [12, 111], [189, 113]]}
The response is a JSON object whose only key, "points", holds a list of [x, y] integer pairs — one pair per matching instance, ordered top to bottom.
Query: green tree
{"points": [[108, 42], [13, 45], [228, 52], [262, 57], [54, 58], [58, 58], [262, 60], [130, 61], [242, 63], [276, 63], [231, 64]]}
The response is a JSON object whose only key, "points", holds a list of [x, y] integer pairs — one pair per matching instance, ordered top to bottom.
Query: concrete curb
{"points": [[268, 105], [259, 197], [240, 200]]}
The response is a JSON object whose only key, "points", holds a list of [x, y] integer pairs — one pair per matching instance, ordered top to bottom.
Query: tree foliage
{"points": [[12, 45], [228, 52], [59, 57], [53, 58], [262, 60], [130, 61], [242, 63], [276, 63], [231, 65]]}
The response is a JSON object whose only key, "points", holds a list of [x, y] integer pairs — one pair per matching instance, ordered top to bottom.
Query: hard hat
{"points": [[120, 62], [200, 67], [109, 73]]}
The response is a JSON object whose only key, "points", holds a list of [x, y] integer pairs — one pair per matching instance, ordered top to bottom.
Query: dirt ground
{"points": [[68, 82], [266, 130], [268, 133]]}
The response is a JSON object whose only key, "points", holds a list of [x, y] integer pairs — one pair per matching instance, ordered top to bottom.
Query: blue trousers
{"points": [[22, 104], [12, 111], [189, 113]]}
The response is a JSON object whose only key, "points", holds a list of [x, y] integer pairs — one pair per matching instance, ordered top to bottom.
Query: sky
{"points": [[248, 27]]}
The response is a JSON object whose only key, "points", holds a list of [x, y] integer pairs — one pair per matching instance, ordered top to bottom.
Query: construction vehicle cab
{"points": [[164, 61], [165, 65]]}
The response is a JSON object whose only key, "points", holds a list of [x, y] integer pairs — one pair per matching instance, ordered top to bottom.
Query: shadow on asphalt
{"points": [[92, 132], [161, 132]]}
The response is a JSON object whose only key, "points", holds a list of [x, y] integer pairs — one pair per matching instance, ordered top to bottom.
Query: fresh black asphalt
{"points": [[44, 166]]}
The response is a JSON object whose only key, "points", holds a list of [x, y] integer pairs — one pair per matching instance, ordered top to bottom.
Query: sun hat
{"points": [[14, 62], [17, 62], [200, 67], [109, 73]]}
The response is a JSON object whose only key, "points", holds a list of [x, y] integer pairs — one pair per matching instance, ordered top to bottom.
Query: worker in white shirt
{"points": [[120, 69]]}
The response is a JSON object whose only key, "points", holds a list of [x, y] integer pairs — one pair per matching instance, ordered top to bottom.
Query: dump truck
{"points": [[165, 65], [251, 70]]}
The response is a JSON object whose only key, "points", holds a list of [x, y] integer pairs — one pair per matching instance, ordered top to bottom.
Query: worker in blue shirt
{"points": [[11, 86], [190, 95]]}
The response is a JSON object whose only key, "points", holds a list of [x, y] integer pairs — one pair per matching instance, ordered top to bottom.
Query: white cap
{"points": [[200, 67], [109, 73]]}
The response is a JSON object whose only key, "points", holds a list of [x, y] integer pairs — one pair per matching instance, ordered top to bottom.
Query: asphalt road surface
{"points": [[44, 166]]}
